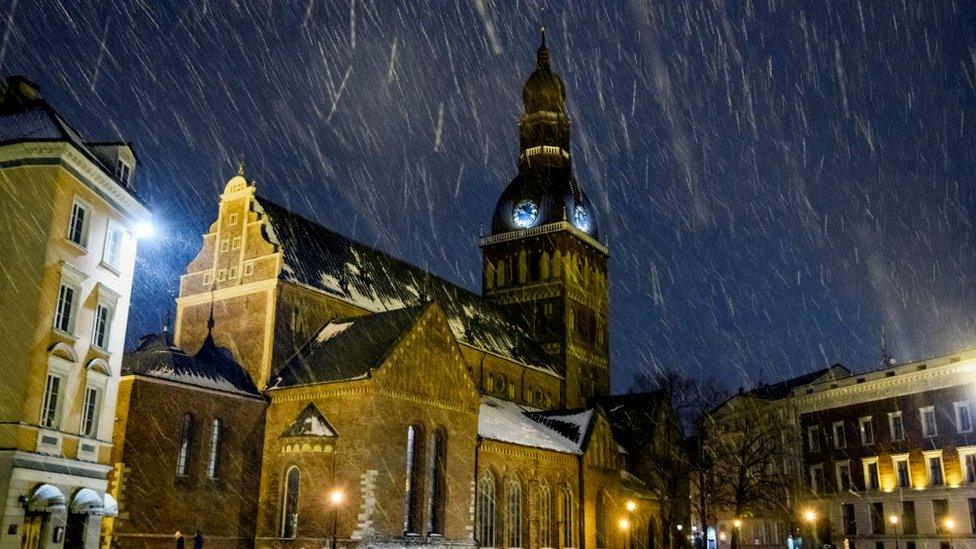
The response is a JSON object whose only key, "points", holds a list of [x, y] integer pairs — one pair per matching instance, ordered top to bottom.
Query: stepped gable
{"points": [[322, 259], [347, 349], [211, 367], [310, 423]]}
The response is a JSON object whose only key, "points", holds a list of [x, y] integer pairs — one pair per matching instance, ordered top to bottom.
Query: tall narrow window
{"points": [[78, 225], [112, 255], [64, 315], [103, 324], [51, 407], [90, 409], [964, 418], [866, 426], [895, 426], [929, 426], [840, 435], [813, 438], [186, 439], [214, 461], [969, 467], [903, 475], [936, 476], [871, 479], [413, 481], [438, 482], [289, 504], [940, 510], [486, 511], [513, 514], [545, 517], [569, 518], [877, 518], [601, 521], [909, 525]]}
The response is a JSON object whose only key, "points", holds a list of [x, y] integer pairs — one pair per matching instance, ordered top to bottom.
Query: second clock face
{"points": [[525, 214], [581, 218]]}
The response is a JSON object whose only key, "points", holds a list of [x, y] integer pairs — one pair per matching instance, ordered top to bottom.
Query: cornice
{"points": [[526, 452]]}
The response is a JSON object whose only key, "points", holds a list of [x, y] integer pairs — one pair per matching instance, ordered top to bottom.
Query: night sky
{"points": [[778, 184]]}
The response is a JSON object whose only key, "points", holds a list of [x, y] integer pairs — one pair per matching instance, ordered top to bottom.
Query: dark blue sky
{"points": [[777, 180]]}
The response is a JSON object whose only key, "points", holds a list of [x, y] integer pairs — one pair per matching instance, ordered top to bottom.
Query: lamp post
{"points": [[335, 498], [810, 517], [893, 519], [624, 524], [950, 524], [736, 533]]}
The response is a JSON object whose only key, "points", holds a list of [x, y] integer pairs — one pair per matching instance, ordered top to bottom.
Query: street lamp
{"points": [[335, 498], [631, 505], [810, 516], [893, 519], [950, 524], [736, 534]]}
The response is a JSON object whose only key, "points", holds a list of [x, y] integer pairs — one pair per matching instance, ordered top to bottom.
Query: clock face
{"points": [[525, 214], [581, 218]]}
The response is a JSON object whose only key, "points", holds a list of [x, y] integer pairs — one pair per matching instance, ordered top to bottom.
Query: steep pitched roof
{"points": [[322, 259], [347, 349], [211, 367], [782, 389], [633, 417], [310, 423], [560, 431]]}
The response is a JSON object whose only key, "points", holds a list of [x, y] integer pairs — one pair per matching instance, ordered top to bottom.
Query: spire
{"points": [[542, 54], [240, 165], [210, 321]]}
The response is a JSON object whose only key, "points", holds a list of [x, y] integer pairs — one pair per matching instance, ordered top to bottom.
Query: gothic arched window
{"points": [[186, 439], [214, 461], [414, 477], [438, 482], [289, 503], [486, 511], [513, 514], [545, 517], [569, 518], [601, 521]]}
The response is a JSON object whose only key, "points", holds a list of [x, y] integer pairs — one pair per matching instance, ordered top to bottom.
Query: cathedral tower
{"points": [[543, 259]]}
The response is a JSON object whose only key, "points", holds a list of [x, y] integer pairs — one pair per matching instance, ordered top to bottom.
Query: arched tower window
{"points": [[215, 436], [186, 439], [414, 477], [438, 482], [289, 503], [486, 511], [513, 514], [545, 517], [569, 518]]}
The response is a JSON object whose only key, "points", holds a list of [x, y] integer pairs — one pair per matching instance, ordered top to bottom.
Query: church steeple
{"points": [[544, 128]]}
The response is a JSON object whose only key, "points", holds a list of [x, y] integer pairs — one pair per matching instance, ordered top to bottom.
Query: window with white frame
{"points": [[123, 172], [233, 219], [79, 223], [235, 243], [224, 245], [112, 254], [249, 268], [207, 278], [69, 299], [103, 325], [54, 387], [90, 412], [964, 417], [895, 426], [929, 426], [866, 429], [840, 437], [813, 438], [214, 461], [967, 461], [933, 462], [843, 470], [903, 470], [817, 478], [872, 480]]}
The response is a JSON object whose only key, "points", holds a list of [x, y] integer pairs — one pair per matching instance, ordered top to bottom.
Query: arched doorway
{"points": [[43, 517], [84, 519], [651, 533]]}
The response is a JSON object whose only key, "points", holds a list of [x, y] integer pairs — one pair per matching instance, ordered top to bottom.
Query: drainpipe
{"points": [[582, 503]]}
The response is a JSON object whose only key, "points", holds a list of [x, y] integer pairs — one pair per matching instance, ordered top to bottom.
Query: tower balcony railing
{"points": [[541, 230]]}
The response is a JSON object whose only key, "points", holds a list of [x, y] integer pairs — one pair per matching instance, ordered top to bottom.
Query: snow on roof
{"points": [[319, 258], [510, 422], [310, 423]]}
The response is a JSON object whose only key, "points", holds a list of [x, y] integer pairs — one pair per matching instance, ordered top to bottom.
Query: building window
{"points": [[123, 172], [233, 219], [78, 225], [236, 243], [224, 245], [112, 254], [249, 268], [232, 274], [221, 275], [208, 278], [64, 315], [103, 324], [52, 405], [90, 412], [964, 418], [929, 426], [866, 427], [897, 430], [840, 437], [813, 438], [186, 439], [214, 460], [967, 460], [903, 472], [413, 474], [936, 474], [843, 476], [817, 479], [871, 481], [438, 482], [289, 504], [940, 510], [486, 511], [513, 514], [972, 514], [545, 517], [908, 517], [569, 518], [877, 518], [601, 521], [850, 526]]}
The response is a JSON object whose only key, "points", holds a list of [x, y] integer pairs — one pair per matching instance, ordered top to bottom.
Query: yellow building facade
{"points": [[68, 260]]}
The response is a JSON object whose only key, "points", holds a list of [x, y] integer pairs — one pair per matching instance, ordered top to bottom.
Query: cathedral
{"points": [[317, 392]]}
